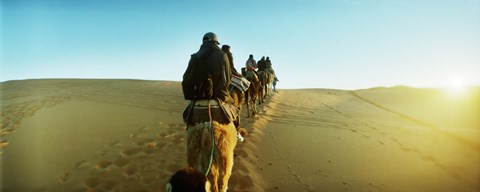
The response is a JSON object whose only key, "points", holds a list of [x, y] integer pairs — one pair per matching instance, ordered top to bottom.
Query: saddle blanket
{"points": [[240, 83]]}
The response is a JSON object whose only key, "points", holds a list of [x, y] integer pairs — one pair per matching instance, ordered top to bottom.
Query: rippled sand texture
{"points": [[78, 135], [128, 135]]}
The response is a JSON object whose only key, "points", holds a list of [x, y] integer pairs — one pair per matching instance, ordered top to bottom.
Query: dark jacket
{"points": [[268, 64], [262, 65], [219, 66], [232, 66]]}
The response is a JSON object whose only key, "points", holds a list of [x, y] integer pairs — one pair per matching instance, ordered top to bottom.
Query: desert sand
{"points": [[128, 135]]}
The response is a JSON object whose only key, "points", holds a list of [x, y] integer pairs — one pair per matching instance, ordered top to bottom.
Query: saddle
{"points": [[198, 111]]}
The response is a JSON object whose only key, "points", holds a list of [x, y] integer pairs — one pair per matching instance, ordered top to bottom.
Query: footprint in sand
{"points": [[172, 126], [143, 129], [170, 131], [5, 132], [134, 135], [162, 135], [395, 140], [145, 141], [3, 143], [114, 144], [160, 145], [407, 149], [148, 150], [130, 152], [102, 153], [428, 158], [121, 162], [82, 164], [103, 164], [147, 167], [172, 168], [130, 171], [65, 178], [148, 181], [92, 182], [109, 185]]}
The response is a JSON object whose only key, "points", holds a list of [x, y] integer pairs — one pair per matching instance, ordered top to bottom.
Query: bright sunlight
{"points": [[456, 86]]}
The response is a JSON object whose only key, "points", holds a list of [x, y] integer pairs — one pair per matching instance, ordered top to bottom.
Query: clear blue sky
{"points": [[345, 44]]}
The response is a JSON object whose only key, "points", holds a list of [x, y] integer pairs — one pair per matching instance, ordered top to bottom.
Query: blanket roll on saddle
{"points": [[240, 83]]}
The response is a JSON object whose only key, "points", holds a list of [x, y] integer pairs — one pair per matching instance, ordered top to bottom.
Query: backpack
{"points": [[197, 81]]}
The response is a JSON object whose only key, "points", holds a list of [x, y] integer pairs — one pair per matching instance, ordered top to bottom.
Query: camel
{"points": [[263, 76], [266, 78], [271, 78], [252, 92], [238, 97], [251, 97], [199, 152], [213, 157]]}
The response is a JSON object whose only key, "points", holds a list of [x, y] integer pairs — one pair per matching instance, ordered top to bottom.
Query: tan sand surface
{"points": [[128, 135], [331, 140]]}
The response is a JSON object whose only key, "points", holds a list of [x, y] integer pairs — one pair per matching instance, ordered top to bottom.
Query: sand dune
{"points": [[128, 135]]}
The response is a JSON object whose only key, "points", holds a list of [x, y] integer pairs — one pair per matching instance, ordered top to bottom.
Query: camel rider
{"points": [[226, 49], [268, 64], [217, 65], [262, 65], [251, 66]]}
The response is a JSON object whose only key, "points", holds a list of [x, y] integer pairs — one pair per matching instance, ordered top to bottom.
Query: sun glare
{"points": [[456, 86]]}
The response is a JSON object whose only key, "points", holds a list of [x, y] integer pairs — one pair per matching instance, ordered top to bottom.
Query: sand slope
{"points": [[128, 135], [330, 140]]}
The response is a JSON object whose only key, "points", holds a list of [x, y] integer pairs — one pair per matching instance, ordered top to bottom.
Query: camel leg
{"points": [[260, 95], [247, 101], [254, 106]]}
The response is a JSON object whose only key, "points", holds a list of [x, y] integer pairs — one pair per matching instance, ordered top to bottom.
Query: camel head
{"points": [[188, 179]]}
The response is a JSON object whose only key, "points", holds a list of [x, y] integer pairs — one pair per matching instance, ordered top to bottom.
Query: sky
{"points": [[343, 44]]}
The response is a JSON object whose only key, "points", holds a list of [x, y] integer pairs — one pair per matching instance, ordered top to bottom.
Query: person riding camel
{"points": [[226, 49], [262, 65], [251, 66], [268, 66], [210, 115]]}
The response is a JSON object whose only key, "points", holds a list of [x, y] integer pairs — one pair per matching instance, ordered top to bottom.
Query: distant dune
{"points": [[128, 135]]}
